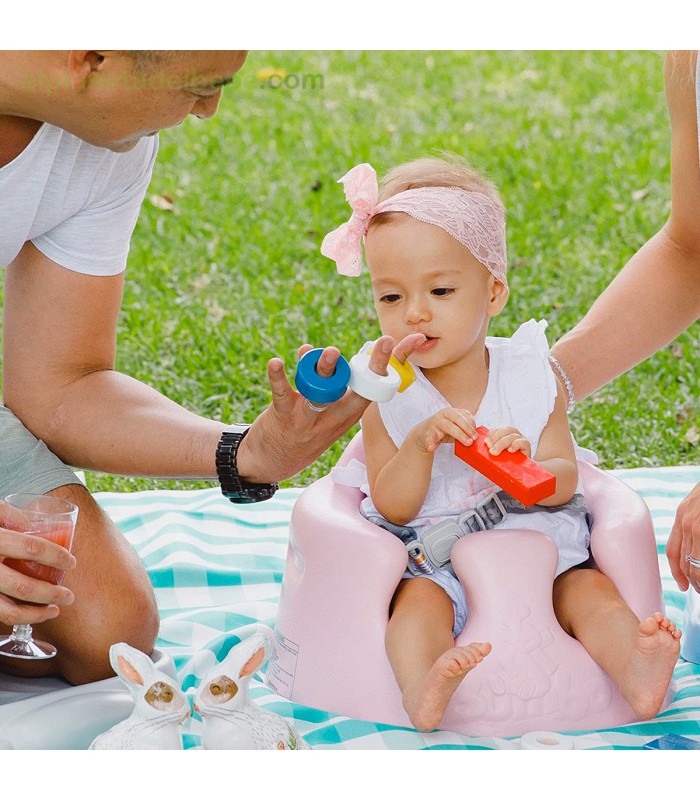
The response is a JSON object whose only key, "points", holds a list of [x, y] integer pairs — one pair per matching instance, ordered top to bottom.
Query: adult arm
{"points": [[656, 295], [59, 343], [685, 540]]}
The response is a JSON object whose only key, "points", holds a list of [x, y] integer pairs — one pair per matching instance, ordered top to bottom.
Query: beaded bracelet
{"points": [[567, 383]]}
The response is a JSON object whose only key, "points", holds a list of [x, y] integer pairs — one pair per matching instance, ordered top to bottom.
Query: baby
{"points": [[434, 240]]}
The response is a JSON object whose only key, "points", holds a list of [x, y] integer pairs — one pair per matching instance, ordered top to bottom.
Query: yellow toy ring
{"points": [[405, 370]]}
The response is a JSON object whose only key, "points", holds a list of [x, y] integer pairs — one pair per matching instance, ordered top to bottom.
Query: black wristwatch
{"points": [[232, 485]]}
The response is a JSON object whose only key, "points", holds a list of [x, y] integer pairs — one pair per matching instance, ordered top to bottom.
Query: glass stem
{"points": [[22, 633]]}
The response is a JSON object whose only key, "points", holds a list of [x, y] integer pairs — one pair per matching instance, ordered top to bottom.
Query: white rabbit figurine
{"points": [[160, 707], [230, 720]]}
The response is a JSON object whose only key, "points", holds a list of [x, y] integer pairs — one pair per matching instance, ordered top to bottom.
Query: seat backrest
{"points": [[353, 450]]}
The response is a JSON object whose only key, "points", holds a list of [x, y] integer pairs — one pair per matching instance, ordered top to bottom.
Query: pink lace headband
{"points": [[472, 218]]}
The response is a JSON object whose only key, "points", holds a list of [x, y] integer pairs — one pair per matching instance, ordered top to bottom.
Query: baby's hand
{"points": [[446, 426], [510, 439]]}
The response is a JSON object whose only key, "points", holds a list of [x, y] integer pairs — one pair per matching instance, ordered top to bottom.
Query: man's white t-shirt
{"points": [[77, 203]]}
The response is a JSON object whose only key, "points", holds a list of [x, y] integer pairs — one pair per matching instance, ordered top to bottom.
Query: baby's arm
{"points": [[555, 452], [399, 477]]}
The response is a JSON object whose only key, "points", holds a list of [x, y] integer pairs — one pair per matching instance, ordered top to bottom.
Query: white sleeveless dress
{"points": [[521, 391]]}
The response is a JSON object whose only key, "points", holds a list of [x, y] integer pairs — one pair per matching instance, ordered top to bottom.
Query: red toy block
{"points": [[520, 476]]}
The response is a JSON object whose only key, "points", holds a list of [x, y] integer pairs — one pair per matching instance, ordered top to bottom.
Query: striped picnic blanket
{"points": [[217, 570]]}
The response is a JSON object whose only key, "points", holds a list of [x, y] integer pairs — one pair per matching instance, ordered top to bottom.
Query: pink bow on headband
{"points": [[471, 217], [343, 244]]}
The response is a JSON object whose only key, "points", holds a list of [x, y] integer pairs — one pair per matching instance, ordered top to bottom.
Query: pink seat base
{"points": [[340, 576]]}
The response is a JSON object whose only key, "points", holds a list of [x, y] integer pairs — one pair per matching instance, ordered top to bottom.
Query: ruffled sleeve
{"points": [[530, 343], [522, 387], [354, 473]]}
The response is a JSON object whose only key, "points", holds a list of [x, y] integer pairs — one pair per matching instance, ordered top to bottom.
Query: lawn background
{"points": [[225, 270]]}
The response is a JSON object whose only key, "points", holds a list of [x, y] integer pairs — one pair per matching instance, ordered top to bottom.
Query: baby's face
{"points": [[425, 281]]}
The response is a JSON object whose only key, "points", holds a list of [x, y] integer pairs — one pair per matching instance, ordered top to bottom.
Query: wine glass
{"points": [[51, 518]]}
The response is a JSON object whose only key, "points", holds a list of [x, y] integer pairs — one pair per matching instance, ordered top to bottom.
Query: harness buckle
{"points": [[491, 511], [471, 522], [439, 539], [434, 548], [418, 561]]}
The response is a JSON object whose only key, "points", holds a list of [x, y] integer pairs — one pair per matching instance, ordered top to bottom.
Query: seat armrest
{"points": [[623, 544]]}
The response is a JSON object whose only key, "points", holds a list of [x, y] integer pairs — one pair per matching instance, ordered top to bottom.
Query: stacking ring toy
{"points": [[405, 370], [366, 383], [316, 388]]}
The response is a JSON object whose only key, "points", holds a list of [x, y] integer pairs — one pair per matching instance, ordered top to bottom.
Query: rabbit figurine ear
{"points": [[252, 653], [253, 664], [132, 666], [128, 670]]}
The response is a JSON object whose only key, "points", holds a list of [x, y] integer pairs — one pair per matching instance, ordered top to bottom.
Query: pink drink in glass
{"points": [[50, 518], [59, 532]]}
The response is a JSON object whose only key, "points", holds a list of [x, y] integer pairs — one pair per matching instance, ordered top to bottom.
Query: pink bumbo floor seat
{"points": [[341, 573]]}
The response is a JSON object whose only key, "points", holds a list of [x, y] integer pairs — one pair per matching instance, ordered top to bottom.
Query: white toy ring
{"points": [[366, 383]]}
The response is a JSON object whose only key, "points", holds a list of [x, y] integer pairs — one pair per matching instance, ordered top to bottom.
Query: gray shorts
{"points": [[26, 463]]}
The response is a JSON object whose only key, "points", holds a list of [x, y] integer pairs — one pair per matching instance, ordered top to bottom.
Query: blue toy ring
{"points": [[315, 387]]}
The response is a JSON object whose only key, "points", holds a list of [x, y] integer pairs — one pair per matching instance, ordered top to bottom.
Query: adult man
{"points": [[77, 148]]}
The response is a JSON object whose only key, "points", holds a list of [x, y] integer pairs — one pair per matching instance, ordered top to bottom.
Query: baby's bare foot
{"points": [[650, 665], [427, 700]]}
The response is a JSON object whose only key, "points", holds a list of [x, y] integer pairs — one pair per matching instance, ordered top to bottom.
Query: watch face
{"points": [[253, 493]]}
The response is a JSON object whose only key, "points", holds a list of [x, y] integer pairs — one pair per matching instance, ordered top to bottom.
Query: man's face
{"points": [[123, 104]]}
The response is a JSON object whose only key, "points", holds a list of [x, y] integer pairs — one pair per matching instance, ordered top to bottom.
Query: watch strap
{"points": [[235, 488]]}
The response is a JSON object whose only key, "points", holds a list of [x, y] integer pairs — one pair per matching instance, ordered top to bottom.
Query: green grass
{"points": [[233, 276]]}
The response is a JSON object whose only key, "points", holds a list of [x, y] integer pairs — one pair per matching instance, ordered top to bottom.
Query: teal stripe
{"points": [[210, 497], [130, 524], [243, 562], [193, 575], [657, 727], [188, 741], [456, 747]]}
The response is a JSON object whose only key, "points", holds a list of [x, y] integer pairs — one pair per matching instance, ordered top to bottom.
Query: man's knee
{"points": [[114, 602], [134, 620]]}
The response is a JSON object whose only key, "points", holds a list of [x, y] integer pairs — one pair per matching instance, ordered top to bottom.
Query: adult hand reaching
{"points": [[289, 435], [685, 541]]}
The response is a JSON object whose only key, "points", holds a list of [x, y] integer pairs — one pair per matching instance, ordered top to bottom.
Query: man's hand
{"points": [[289, 435], [685, 540], [25, 600]]}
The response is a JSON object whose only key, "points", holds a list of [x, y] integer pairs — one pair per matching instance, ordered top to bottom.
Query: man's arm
{"points": [[656, 295], [59, 342]]}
